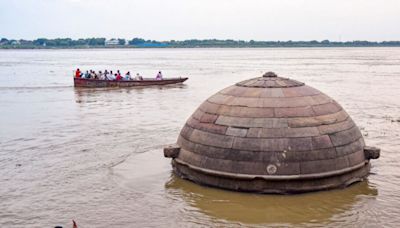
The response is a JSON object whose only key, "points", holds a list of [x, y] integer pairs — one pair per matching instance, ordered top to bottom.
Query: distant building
{"points": [[15, 42], [112, 42]]}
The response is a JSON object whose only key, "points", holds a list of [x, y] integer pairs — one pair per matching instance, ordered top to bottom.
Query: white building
{"points": [[112, 42]]}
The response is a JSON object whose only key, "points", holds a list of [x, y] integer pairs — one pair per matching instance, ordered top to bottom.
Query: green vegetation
{"points": [[194, 43]]}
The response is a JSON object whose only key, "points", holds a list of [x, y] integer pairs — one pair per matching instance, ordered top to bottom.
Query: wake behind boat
{"points": [[108, 79], [93, 83]]}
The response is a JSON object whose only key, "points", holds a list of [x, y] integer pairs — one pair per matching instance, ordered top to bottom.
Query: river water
{"points": [[95, 155]]}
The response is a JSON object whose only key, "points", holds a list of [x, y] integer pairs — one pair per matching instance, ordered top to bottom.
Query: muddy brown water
{"points": [[95, 155]]}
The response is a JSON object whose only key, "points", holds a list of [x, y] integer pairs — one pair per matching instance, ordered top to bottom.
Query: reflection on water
{"points": [[82, 93], [317, 207]]}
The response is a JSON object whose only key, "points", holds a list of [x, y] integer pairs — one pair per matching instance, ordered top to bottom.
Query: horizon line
{"points": [[199, 39]]}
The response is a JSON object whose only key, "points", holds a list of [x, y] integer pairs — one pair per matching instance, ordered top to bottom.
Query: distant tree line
{"points": [[193, 43]]}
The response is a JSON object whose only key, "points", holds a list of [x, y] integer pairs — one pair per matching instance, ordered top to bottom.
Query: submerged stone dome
{"points": [[271, 135]]}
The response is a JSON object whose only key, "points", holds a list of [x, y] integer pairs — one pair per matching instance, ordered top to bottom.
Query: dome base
{"points": [[259, 185]]}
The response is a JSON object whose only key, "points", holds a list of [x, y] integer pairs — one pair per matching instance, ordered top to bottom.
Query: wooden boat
{"points": [[94, 83]]}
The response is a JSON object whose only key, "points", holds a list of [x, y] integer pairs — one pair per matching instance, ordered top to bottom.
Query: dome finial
{"points": [[270, 74]]}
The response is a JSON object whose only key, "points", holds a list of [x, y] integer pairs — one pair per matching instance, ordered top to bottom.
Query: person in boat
{"points": [[78, 73], [93, 74], [86, 75], [101, 75], [96, 76], [110, 76], [128, 76], [159, 76], [118, 77], [138, 77]]}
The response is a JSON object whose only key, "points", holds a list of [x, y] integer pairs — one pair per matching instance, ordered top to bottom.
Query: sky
{"points": [[337, 20]]}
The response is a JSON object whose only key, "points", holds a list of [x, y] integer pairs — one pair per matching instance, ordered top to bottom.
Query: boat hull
{"points": [[94, 83]]}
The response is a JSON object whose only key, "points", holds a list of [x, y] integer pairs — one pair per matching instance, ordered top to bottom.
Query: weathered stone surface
{"points": [[269, 82], [229, 89], [234, 91], [252, 92], [272, 92], [220, 98], [321, 99], [246, 102], [270, 102], [286, 102], [209, 107], [327, 108], [239, 111], [306, 111], [198, 114], [208, 118], [318, 121], [252, 122], [208, 127], [336, 127], [186, 131], [234, 131], [255, 132], [282, 132], [300, 132], [271, 134], [345, 137], [212, 139], [321, 142], [186, 144], [252, 144], [257, 144], [279, 144], [300, 144], [350, 148], [171, 151], [372, 152], [235, 154], [243, 155], [313, 155], [265, 156], [192, 158], [356, 158], [342, 163], [245, 166], [307, 167], [286, 168], [266, 186]]}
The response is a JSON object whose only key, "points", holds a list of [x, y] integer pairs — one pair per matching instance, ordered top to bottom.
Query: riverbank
{"points": [[68, 43], [177, 47]]}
